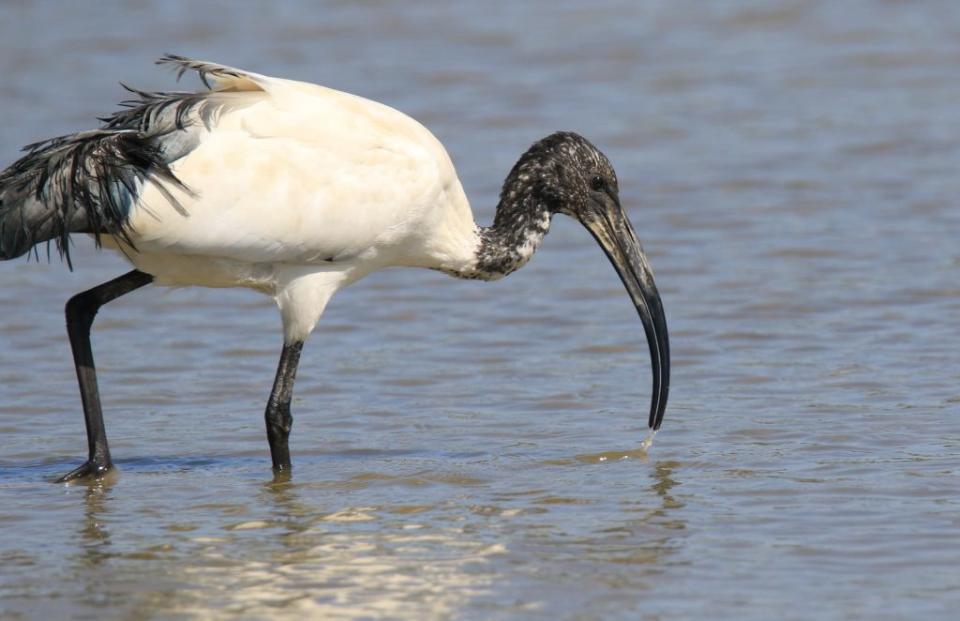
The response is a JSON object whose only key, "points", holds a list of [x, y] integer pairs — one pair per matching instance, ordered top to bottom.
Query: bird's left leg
{"points": [[80, 311], [278, 417]]}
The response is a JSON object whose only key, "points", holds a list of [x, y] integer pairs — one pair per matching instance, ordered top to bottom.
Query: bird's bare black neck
{"points": [[549, 178], [528, 201], [517, 230]]}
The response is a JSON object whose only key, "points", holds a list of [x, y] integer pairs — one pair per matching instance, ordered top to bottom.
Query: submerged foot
{"points": [[89, 470], [281, 476]]}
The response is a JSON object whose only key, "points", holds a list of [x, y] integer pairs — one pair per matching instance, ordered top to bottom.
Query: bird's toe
{"points": [[88, 471]]}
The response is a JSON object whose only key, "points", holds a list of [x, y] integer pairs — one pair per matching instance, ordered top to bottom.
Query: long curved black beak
{"points": [[613, 231]]}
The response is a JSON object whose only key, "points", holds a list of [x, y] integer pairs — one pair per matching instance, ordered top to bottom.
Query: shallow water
{"points": [[470, 451]]}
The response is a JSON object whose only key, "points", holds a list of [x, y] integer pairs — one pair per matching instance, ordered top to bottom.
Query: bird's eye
{"points": [[597, 183]]}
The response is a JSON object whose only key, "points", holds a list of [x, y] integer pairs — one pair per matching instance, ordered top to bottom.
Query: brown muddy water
{"points": [[466, 450]]}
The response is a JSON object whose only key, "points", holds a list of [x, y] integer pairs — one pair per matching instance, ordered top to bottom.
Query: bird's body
{"points": [[288, 188], [271, 199]]}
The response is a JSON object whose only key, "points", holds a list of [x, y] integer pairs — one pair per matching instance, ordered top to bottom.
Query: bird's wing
{"points": [[217, 77], [285, 171]]}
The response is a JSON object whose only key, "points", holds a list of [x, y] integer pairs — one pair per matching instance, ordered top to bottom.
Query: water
{"points": [[472, 451]]}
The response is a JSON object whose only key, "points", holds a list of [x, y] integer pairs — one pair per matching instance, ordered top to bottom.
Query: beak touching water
{"points": [[613, 231]]}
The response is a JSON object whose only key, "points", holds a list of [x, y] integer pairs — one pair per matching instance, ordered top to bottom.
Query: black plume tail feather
{"points": [[88, 182], [80, 183]]}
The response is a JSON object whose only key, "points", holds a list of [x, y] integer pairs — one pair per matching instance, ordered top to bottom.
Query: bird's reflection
{"points": [[663, 484], [283, 495], [290, 511], [94, 533], [648, 537]]}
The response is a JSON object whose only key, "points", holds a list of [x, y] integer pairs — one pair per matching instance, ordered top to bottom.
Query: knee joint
{"points": [[80, 309]]}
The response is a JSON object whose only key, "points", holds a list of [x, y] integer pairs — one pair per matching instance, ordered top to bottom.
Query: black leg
{"points": [[80, 311], [279, 419]]}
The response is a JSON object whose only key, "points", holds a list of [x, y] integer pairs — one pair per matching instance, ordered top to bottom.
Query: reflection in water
{"points": [[771, 158], [663, 471], [289, 512], [93, 532], [624, 542], [307, 553], [332, 560], [339, 561]]}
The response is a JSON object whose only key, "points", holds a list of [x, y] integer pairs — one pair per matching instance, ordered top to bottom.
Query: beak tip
{"points": [[616, 236], [658, 406]]}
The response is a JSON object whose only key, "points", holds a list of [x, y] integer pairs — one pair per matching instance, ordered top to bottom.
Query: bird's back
{"points": [[261, 170]]}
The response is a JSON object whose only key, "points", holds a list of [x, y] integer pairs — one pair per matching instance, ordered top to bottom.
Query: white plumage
{"points": [[295, 190], [298, 190]]}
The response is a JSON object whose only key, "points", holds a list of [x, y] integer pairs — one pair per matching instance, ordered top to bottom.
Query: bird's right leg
{"points": [[302, 292], [80, 311], [278, 417]]}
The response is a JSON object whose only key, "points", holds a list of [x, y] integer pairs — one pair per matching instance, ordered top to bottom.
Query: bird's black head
{"points": [[564, 173]]}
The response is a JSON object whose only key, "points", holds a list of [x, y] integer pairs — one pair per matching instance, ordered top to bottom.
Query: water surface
{"points": [[468, 451]]}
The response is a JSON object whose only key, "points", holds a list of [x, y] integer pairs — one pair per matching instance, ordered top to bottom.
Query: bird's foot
{"points": [[88, 471], [282, 475]]}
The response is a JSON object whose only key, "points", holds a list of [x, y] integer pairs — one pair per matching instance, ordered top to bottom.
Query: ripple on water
{"points": [[466, 450]]}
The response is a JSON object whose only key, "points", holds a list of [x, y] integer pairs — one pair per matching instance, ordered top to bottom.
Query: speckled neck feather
{"points": [[546, 180]]}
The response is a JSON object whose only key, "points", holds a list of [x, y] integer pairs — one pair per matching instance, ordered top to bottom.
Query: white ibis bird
{"points": [[294, 190]]}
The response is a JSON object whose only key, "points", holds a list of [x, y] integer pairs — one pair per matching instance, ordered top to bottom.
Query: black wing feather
{"points": [[88, 181]]}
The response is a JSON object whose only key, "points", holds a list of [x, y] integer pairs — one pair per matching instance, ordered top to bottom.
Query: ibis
{"points": [[296, 191]]}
